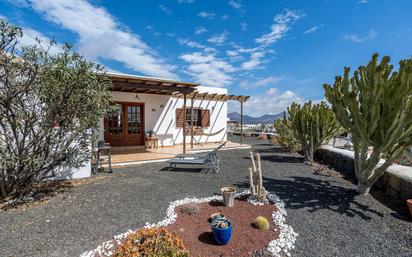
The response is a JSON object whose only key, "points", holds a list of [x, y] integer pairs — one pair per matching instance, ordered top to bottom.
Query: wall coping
{"points": [[401, 171]]}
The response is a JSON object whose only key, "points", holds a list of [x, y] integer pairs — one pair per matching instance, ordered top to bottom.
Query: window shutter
{"points": [[179, 118], [205, 118]]}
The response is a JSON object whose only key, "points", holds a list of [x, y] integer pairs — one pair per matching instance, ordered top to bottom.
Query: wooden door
{"points": [[134, 118], [114, 126], [125, 126]]}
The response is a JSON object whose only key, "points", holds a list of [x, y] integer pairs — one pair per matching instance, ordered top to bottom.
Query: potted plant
{"points": [[228, 194], [221, 228]]}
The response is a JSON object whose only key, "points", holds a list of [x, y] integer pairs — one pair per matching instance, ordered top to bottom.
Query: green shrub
{"points": [[262, 223]]}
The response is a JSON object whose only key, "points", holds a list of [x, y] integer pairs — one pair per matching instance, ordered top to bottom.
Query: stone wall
{"points": [[397, 180]]}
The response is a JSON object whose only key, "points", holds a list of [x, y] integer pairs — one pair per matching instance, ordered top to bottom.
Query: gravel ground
{"points": [[326, 212]]}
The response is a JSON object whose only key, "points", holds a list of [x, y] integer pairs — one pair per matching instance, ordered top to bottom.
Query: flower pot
{"points": [[228, 194], [409, 203], [222, 236]]}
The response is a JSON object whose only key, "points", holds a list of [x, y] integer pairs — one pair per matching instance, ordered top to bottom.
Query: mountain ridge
{"points": [[264, 119]]}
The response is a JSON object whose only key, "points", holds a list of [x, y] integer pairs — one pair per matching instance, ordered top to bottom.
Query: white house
{"points": [[147, 104]]}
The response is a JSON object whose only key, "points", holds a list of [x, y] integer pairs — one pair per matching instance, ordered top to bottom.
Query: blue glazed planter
{"points": [[222, 236]]}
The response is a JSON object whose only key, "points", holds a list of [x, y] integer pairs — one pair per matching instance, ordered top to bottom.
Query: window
{"points": [[201, 117], [196, 119], [115, 125]]}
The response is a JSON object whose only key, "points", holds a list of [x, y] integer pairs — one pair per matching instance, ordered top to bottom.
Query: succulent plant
{"points": [[375, 106], [190, 209], [262, 223]]}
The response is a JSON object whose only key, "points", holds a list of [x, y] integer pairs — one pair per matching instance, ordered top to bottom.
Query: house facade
{"points": [[176, 112], [138, 114]]}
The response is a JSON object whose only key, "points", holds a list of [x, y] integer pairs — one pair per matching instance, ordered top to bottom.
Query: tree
{"points": [[375, 106], [50, 108], [312, 126]]}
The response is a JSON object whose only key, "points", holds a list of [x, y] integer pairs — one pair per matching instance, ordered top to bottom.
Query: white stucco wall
{"points": [[162, 120]]}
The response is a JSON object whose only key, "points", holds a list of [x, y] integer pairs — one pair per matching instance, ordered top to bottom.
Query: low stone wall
{"points": [[397, 180]]}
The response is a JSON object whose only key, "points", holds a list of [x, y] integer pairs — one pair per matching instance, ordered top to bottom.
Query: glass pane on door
{"points": [[134, 119], [115, 124]]}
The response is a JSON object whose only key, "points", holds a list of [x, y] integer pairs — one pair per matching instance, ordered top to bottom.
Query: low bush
{"points": [[152, 242]]}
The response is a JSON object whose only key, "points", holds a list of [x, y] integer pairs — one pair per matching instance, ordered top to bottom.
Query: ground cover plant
{"points": [[152, 242]]}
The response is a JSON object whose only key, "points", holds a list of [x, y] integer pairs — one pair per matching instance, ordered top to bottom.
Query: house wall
{"points": [[162, 120]]}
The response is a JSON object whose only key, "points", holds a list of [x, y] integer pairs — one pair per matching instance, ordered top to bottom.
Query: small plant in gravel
{"points": [[190, 209], [262, 223], [152, 242], [261, 253]]}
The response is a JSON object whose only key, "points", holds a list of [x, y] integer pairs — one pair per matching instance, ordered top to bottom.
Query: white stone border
{"points": [[284, 244]]}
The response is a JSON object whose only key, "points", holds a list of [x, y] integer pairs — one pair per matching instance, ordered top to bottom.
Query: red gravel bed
{"points": [[197, 234]]}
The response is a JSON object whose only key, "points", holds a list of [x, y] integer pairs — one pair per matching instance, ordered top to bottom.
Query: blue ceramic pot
{"points": [[222, 236]]}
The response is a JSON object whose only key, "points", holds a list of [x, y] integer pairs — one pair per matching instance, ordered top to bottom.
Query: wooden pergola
{"points": [[178, 89], [212, 97]]}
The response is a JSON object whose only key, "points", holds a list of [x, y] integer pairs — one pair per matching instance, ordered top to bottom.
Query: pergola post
{"points": [[191, 122], [241, 122], [184, 123]]}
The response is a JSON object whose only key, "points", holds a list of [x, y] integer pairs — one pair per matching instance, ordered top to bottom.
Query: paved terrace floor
{"points": [[130, 155], [331, 219]]}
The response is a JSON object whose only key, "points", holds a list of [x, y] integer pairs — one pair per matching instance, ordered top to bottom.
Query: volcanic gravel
{"points": [[331, 219]]}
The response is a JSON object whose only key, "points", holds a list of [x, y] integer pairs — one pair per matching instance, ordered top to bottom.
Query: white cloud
{"points": [[185, 1], [363, 2], [235, 4], [165, 9], [209, 15], [224, 17], [282, 25], [243, 26], [313, 29], [200, 30], [30, 37], [102, 37], [218, 38], [359, 39], [193, 44], [256, 58], [207, 69], [271, 80], [272, 101]]}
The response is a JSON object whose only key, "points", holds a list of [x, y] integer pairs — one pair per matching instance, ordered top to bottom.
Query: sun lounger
{"points": [[207, 159]]}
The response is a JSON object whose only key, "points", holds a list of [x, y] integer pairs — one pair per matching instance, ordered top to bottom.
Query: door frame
{"points": [[125, 122]]}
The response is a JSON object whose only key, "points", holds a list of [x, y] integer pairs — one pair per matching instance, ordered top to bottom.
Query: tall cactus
{"points": [[375, 106], [312, 125], [285, 135]]}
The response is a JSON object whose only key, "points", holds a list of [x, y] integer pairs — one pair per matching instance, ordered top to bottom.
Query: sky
{"points": [[275, 51]]}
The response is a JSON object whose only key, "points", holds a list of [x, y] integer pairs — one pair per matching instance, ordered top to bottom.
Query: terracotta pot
{"points": [[228, 194], [409, 203]]}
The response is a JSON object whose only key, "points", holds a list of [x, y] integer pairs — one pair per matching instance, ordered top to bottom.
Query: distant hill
{"points": [[264, 119]]}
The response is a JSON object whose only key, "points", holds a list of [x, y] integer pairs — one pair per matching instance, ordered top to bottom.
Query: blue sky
{"points": [[276, 51]]}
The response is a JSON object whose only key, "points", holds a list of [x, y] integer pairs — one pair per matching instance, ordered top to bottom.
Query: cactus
{"points": [[375, 106], [312, 126], [285, 136], [257, 191], [262, 223]]}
